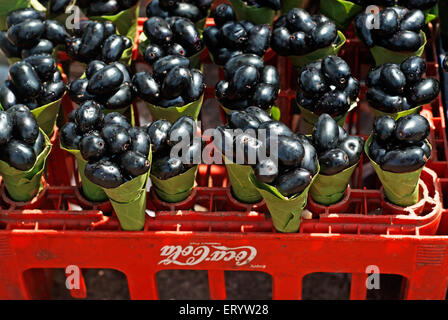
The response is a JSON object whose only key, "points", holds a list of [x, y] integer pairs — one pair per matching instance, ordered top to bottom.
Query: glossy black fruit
{"points": [[59, 6], [107, 7], [154, 10], [187, 10], [222, 14], [20, 15], [300, 20], [413, 21], [363, 22], [388, 22], [158, 31], [55, 32], [25, 34], [324, 34], [187, 35], [233, 35], [211, 37], [91, 40], [258, 40], [280, 41], [405, 41], [42, 47], [8, 48], [113, 48], [153, 53], [236, 62], [43, 64], [164, 65], [93, 67], [413, 68], [336, 71], [269, 75], [374, 76], [25, 79], [392, 79], [105, 80], [244, 80], [175, 82], [312, 82], [146, 87], [196, 87], [352, 89], [51, 91], [77, 91], [423, 92], [7, 95], [264, 96], [120, 99], [380, 100], [166, 103], [335, 103], [258, 114], [89, 116], [117, 119], [242, 120], [6, 127], [26, 128], [183, 128], [275, 128], [384, 128], [412, 128], [158, 133], [325, 133], [342, 134], [116, 137], [141, 141], [39, 144], [353, 146], [92, 147], [425, 147], [247, 149], [290, 151], [377, 151], [193, 154], [19, 155], [310, 160], [404, 160], [333, 161], [134, 163], [166, 167], [266, 171], [104, 173], [293, 182]]}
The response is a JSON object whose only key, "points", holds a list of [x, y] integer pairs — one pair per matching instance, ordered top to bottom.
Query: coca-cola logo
{"points": [[194, 254]]}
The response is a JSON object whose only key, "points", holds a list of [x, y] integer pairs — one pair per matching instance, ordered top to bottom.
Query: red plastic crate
{"points": [[212, 231]]}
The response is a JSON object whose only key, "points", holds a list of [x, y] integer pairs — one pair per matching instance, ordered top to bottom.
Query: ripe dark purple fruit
{"points": [[116, 137], [104, 173], [294, 182]]}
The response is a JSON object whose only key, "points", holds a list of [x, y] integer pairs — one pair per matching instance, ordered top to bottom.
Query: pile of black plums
{"points": [[271, 4], [410, 4], [104, 7], [194, 10], [395, 28], [29, 33], [298, 33], [171, 36], [230, 38], [97, 41], [34, 81], [248, 82], [171, 84], [109, 85], [327, 86], [393, 88], [164, 137], [20, 138], [400, 146], [337, 151], [116, 152], [290, 169]]}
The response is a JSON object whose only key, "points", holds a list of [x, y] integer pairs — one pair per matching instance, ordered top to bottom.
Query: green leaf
{"points": [[340, 11], [253, 14], [173, 113], [396, 115], [46, 116], [23, 186], [177, 188], [400, 188]]}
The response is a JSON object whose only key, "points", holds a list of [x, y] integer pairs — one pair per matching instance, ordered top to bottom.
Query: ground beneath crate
{"points": [[193, 285]]}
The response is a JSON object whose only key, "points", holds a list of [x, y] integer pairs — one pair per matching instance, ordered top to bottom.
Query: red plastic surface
{"points": [[212, 231]]}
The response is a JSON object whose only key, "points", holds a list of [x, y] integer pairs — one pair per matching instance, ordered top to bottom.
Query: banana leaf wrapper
{"points": [[290, 4], [340, 11], [432, 13], [253, 14], [126, 23], [383, 55], [195, 60], [300, 61], [171, 114], [396, 115], [310, 118], [23, 186], [177, 188], [242, 188], [400, 188], [90, 190], [328, 190], [129, 201], [286, 213]]}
